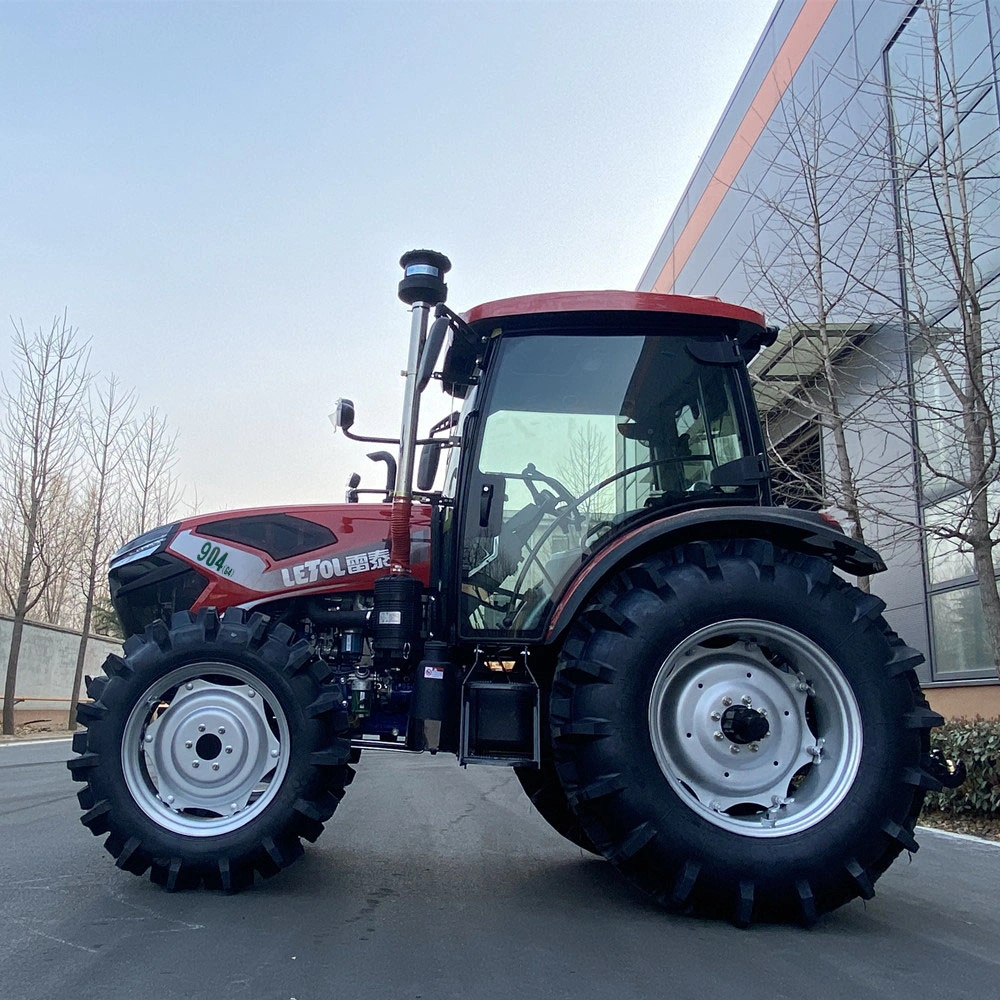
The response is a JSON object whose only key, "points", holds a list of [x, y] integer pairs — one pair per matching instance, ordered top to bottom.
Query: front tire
{"points": [[740, 733], [212, 747]]}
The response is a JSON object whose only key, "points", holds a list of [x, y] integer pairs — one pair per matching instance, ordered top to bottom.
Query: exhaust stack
{"points": [[421, 288]]}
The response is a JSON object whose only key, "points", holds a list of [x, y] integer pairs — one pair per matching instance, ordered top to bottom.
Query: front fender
{"points": [[800, 531]]}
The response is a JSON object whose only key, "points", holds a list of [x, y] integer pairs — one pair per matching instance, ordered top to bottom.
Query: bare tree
{"points": [[814, 257], [107, 437], [38, 439], [588, 461], [150, 486], [66, 541]]}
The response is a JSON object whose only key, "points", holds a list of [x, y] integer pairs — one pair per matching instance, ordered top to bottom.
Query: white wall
{"points": [[48, 659]]}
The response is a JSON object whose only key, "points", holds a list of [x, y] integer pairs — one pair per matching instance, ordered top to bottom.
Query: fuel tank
{"points": [[249, 558]]}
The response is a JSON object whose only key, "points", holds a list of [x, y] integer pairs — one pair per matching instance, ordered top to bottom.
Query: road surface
{"points": [[432, 883]]}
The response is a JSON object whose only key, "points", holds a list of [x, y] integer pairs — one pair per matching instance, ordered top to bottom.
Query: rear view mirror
{"points": [[432, 348], [343, 416], [430, 455]]}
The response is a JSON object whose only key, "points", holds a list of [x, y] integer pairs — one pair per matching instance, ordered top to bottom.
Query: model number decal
{"points": [[215, 558], [326, 569]]}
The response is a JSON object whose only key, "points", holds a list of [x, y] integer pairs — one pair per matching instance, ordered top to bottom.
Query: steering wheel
{"points": [[530, 475], [552, 499], [572, 509]]}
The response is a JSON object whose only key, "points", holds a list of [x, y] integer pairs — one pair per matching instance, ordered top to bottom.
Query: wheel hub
{"points": [[744, 725], [755, 727], [211, 747], [206, 760]]}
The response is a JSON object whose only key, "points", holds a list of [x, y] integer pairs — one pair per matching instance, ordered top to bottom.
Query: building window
{"points": [[943, 94], [797, 469], [960, 647]]}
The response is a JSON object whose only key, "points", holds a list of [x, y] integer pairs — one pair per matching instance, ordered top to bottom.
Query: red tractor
{"points": [[601, 595]]}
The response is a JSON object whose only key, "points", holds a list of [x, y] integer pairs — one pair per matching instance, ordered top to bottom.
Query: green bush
{"points": [[977, 743]]}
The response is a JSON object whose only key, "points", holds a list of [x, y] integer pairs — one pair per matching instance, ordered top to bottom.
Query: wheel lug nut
{"points": [[189, 686], [250, 692], [747, 700], [727, 701], [763, 711], [715, 716], [201, 729], [222, 730], [718, 735], [188, 744], [753, 748], [229, 749], [734, 749], [274, 753], [195, 763], [215, 767]]}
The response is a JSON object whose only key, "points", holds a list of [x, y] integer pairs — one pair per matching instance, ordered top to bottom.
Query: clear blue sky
{"points": [[219, 193]]}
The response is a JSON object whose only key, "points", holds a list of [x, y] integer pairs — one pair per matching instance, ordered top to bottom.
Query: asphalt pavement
{"points": [[432, 883]]}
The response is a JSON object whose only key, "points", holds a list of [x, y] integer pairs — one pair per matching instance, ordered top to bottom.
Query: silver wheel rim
{"points": [[712, 697], [205, 749]]}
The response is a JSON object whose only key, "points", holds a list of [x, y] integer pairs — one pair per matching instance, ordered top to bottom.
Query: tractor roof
{"points": [[611, 301], [608, 313]]}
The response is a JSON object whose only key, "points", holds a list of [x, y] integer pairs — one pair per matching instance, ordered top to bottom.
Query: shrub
{"points": [[977, 743]]}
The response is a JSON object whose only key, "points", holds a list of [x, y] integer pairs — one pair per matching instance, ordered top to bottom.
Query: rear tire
{"points": [[211, 748], [542, 786], [793, 793]]}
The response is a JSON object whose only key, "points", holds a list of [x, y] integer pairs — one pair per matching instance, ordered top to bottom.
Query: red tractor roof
{"points": [[611, 301]]}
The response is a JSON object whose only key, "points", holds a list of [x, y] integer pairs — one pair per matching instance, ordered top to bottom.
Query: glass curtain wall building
{"points": [[851, 190]]}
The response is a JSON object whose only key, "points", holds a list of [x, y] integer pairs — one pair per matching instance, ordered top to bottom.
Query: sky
{"points": [[218, 193]]}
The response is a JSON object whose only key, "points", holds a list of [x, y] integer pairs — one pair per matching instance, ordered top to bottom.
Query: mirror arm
{"points": [[442, 310], [369, 440], [452, 442]]}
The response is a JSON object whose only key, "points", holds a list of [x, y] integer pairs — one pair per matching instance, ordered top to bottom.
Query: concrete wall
{"points": [[46, 664], [966, 702]]}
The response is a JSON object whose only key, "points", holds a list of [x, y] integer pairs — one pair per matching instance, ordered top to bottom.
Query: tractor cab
{"points": [[586, 416]]}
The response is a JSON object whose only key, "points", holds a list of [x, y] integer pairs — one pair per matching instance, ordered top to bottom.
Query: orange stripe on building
{"points": [[800, 38]]}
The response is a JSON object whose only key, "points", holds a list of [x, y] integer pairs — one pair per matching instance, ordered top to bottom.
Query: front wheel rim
{"points": [[755, 727], [205, 749]]}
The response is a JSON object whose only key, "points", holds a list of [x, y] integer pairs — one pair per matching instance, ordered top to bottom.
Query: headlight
{"points": [[143, 545]]}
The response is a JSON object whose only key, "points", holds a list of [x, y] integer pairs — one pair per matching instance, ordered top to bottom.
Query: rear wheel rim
{"points": [[755, 727], [205, 749]]}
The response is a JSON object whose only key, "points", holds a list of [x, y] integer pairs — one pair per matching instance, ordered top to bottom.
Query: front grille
{"points": [[153, 588]]}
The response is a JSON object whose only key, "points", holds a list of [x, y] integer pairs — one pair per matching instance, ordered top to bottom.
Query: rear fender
{"points": [[799, 531]]}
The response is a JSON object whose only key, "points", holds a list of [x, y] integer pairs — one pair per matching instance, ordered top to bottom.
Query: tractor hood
{"points": [[251, 557]]}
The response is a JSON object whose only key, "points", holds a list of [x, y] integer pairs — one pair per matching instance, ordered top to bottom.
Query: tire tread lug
{"points": [[901, 835], [866, 888]]}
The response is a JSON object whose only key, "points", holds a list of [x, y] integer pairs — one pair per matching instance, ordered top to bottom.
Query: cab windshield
{"points": [[579, 435]]}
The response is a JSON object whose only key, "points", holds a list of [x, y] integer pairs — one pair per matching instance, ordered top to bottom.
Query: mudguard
{"points": [[800, 531]]}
